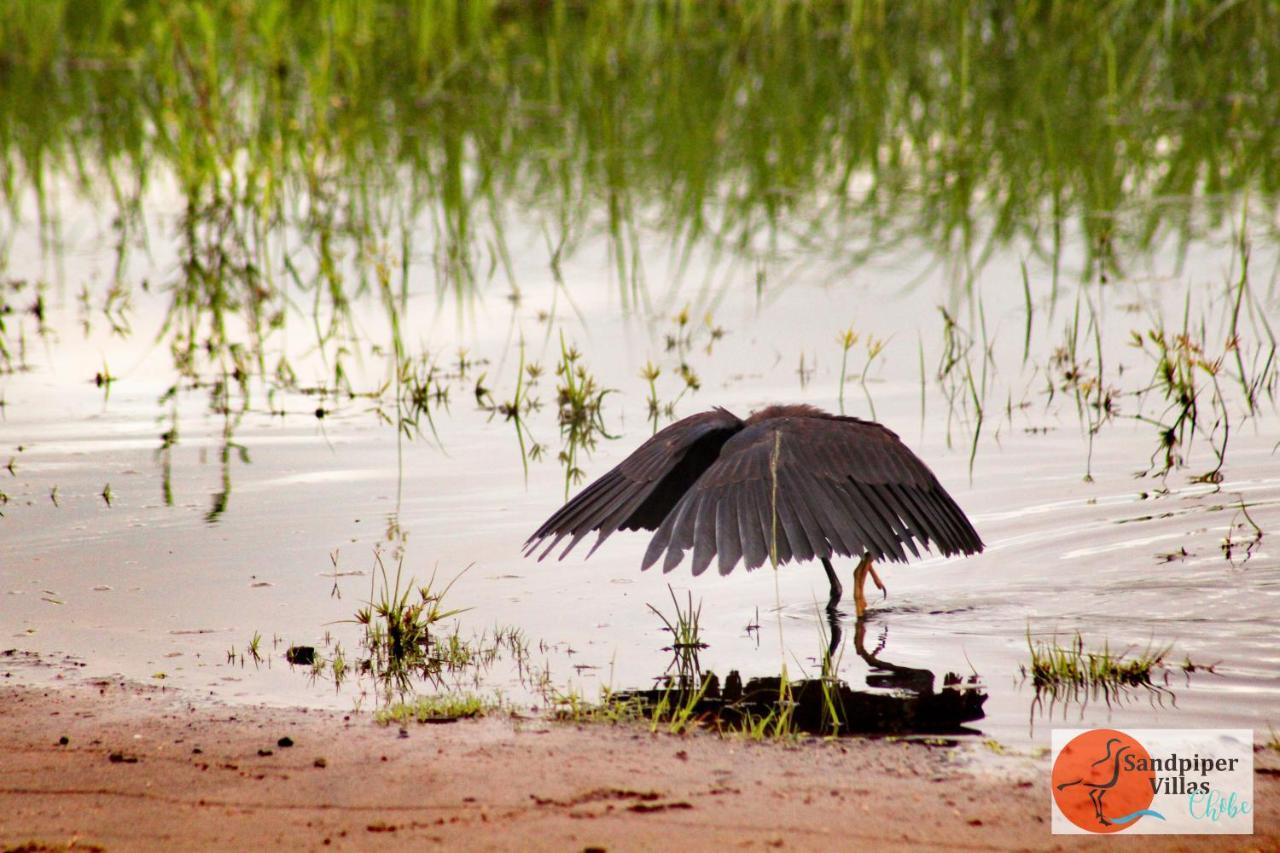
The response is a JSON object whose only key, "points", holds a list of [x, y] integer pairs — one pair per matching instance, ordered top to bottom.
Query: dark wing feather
{"points": [[839, 486], [641, 491], [752, 536]]}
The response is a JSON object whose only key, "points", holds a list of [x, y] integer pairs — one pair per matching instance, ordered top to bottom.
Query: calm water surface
{"points": [[200, 393]]}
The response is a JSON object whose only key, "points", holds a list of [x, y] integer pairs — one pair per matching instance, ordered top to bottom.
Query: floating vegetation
{"points": [[1056, 666]]}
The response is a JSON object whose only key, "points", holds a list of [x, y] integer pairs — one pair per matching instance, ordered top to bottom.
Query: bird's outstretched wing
{"points": [[811, 485], [640, 492]]}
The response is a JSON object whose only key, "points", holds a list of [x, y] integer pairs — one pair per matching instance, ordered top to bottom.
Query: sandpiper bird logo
{"points": [[1097, 782]]}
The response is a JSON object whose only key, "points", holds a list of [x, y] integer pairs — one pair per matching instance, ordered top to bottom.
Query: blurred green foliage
{"points": [[846, 127]]}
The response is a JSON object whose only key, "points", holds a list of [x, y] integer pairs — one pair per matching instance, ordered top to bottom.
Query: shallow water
{"points": [[160, 559], [143, 588]]}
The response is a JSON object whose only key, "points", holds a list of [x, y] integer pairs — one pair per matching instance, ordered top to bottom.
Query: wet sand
{"points": [[144, 768]]}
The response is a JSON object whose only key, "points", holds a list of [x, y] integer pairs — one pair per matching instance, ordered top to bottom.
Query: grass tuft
{"points": [[1071, 674], [433, 709]]}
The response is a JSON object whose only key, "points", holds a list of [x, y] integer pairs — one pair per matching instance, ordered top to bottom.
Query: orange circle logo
{"points": [[1102, 781]]}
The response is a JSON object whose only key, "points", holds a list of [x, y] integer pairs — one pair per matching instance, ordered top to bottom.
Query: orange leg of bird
{"points": [[875, 578], [859, 579]]}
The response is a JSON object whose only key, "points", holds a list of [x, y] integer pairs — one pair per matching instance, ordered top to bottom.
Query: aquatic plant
{"points": [[909, 95], [327, 159], [847, 339], [680, 342], [1183, 372], [964, 390], [580, 402], [522, 403], [1243, 534], [400, 630], [686, 640], [409, 642], [254, 648], [1056, 665], [1065, 674], [433, 709], [776, 722]]}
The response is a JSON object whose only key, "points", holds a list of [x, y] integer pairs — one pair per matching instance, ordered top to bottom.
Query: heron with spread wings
{"points": [[789, 482]]}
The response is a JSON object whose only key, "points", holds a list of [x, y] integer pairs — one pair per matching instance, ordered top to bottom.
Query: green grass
{"points": [[663, 103], [328, 155], [329, 159], [580, 408], [684, 626], [403, 640], [409, 642], [254, 648], [1073, 670], [688, 698], [571, 706], [433, 709], [777, 723]]}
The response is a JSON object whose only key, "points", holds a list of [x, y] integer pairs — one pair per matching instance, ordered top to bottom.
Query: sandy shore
{"points": [[140, 768]]}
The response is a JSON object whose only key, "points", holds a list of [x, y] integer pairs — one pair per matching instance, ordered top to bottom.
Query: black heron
{"points": [[789, 482]]}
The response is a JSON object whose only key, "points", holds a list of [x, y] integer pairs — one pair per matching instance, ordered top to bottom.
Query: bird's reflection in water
{"points": [[883, 674], [898, 699]]}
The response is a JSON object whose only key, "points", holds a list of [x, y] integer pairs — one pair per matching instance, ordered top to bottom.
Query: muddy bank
{"points": [[141, 768]]}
